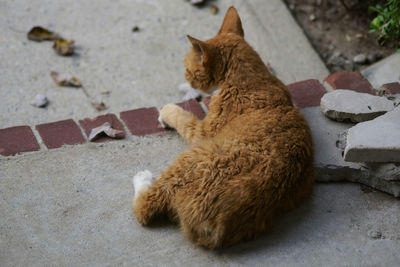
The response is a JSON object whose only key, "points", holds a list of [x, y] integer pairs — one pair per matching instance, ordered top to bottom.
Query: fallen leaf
{"points": [[214, 9], [135, 29], [39, 34], [359, 35], [348, 38], [64, 47], [65, 79], [105, 92], [40, 101], [99, 105], [106, 129]]}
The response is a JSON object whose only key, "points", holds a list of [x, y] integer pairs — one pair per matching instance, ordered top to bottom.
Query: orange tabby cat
{"points": [[250, 158]]}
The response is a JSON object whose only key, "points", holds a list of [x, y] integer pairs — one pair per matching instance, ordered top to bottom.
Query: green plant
{"points": [[387, 21]]}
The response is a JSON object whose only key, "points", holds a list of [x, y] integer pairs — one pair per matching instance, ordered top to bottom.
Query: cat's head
{"points": [[206, 61]]}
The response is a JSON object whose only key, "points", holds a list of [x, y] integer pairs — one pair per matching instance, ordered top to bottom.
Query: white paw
{"points": [[162, 122], [142, 180]]}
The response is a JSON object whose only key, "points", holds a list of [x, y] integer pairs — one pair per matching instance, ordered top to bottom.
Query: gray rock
{"points": [[360, 59], [339, 62], [40, 101], [344, 105], [377, 140], [329, 163], [375, 234]]}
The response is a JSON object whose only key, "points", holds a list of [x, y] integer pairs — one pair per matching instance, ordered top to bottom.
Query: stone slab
{"points": [[384, 71], [344, 105], [16, 140], [377, 140], [330, 165]]}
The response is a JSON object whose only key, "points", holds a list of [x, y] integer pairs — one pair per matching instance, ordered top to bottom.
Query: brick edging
{"points": [[144, 121]]}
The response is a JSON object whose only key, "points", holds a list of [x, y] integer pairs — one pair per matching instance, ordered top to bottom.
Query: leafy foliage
{"points": [[387, 21]]}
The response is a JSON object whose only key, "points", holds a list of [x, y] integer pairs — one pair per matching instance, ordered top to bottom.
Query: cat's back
{"points": [[267, 125]]}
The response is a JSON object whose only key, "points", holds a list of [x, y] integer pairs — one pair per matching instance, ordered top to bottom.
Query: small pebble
{"points": [[196, 2], [312, 17], [135, 29], [374, 56], [360, 59], [40, 101]]}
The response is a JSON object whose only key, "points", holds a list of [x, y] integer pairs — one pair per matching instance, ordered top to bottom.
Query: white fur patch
{"points": [[190, 93], [162, 122], [142, 180]]}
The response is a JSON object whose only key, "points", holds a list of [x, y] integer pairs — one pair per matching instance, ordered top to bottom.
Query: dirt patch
{"points": [[340, 33]]}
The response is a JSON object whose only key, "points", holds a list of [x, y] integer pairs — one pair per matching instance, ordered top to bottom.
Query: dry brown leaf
{"points": [[214, 9], [39, 34], [359, 35], [64, 47], [65, 79], [99, 105]]}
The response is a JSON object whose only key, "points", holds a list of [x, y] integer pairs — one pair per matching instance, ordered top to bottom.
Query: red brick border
{"points": [[350, 81], [391, 88], [306, 93], [194, 107], [144, 121], [88, 124], [57, 134], [16, 140]]}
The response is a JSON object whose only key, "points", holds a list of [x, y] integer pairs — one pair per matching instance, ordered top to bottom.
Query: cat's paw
{"points": [[168, 115], [162, 123], [142, 180]]}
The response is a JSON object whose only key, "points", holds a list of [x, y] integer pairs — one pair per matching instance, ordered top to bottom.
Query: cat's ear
{"points": [[232, 23], [203, 49]]}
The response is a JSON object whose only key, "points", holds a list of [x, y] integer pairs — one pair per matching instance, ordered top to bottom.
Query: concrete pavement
{"points": [[138, 68], [72, 207]]}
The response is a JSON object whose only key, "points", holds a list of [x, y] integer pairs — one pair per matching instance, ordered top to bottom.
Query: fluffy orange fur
{"points": [[251, 157]]}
